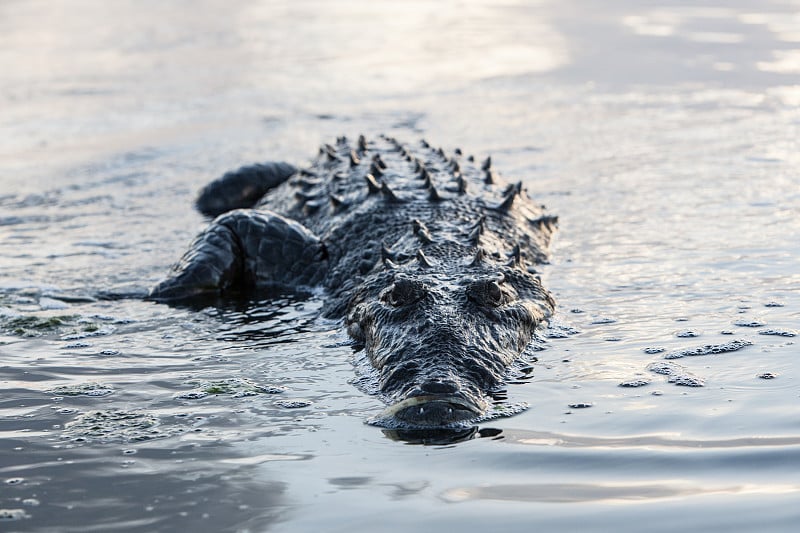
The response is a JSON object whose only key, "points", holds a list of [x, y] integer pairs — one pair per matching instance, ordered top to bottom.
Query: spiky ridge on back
{"points": [[376, 204]]}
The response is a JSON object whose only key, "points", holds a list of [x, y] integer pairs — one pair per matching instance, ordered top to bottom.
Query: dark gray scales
{"points": [[428, 258]]}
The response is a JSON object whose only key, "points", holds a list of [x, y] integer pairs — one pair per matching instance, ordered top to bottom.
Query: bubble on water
{"points": [[97, 316], [603, 320], [749, 324], [90, 331], [559, 331], [778, 332], [74, 345], [654, 349], [710, 349], [662, 367], [676, 374], [687, 380], [633, 383], [235, 387], [83, 389], [244, 394], [191, 395], [293, 404], [501, 410], [117, 426], [30, 502], [12, 514]]}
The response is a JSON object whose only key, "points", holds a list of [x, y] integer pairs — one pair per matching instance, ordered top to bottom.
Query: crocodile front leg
{"points": [[246, 250]]}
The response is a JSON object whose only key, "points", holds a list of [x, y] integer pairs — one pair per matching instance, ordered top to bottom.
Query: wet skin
{"points": [[428, 259]]}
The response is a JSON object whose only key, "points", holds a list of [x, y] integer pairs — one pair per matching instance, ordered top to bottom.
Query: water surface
{"points": [[664, 135]]}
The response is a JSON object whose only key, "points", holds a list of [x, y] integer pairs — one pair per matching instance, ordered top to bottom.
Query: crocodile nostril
{"points": [[439, 387]]}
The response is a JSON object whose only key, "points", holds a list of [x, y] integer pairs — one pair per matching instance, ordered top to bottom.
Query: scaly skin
{"points": [[428, 259]]}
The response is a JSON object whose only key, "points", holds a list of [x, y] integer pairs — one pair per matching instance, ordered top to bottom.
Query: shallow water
{"points": [[664, 136]]}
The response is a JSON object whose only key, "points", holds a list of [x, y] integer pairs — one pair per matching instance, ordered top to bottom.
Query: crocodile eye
{"points": [[404, 292], [487, 293]]}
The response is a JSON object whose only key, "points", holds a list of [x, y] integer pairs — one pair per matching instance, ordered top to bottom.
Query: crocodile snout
{"points": [[433, 410]]}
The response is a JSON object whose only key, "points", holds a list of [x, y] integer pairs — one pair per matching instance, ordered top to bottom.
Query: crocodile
{"points": [[428, 258]]}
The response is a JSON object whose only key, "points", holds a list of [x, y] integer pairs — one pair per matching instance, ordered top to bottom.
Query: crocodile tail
{"points": [[242, 188]]}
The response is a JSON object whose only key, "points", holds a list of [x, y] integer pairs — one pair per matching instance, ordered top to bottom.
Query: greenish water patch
{"points": [[35, 326], [67, 327], [235, 387], [82, 389], [118, 426]]}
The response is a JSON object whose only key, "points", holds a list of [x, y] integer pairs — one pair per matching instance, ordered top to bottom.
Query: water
{"points": [[663, 135]]}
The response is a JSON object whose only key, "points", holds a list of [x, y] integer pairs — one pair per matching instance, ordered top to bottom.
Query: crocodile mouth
{"points": [[433, 410]]}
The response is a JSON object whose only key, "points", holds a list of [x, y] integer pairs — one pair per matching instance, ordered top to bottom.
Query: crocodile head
{"points": [[442, 340]]}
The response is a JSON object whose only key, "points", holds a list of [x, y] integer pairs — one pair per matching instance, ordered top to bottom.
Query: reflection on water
{"points": [[664, 135], [440, 437], [539, 438], [138, 490], [606, 493]]}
